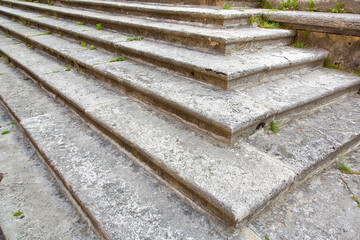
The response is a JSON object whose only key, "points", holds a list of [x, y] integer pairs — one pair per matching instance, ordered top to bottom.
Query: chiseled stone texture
{"points": [[307, 141], [27, 186], [322, 208]]}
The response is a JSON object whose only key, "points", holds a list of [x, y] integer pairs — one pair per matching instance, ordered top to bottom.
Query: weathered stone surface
{"points": [[350, 6], [214, 16], [318, 21], [223, 41], [343, 49], [226, 71], [302, 90], [227, 114], [308, 141], [215, 173], [27, 186], [126, 201], [322, 208]]}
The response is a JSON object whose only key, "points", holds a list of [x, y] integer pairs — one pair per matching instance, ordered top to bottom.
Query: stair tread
{"points": [[201, 11], [216, 35], [227, 68], [230, 111], [314, 138], [228, 184], [27, 186], [126, 200]]}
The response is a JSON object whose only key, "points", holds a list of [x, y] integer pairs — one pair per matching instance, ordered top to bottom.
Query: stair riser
{"points": [[161, 14], [193, 41], [216, 210]]}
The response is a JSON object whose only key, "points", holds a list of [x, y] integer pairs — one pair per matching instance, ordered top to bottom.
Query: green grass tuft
{"points": [[227, 6], [312, 7], [339, 8], [81, 23], [99, 26], [135, 38], [299, 44], [6, 59], [117, 59], [275, 126], [5, 132], [17, 213]]}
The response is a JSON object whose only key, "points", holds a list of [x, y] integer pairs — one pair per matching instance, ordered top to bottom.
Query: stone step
{"points": [[236, 3], [205, 17], [341, 23], [223, 41], [226, 71], [241, 111], [326, 131], [230, 183], [27, 186], [121, 197]]}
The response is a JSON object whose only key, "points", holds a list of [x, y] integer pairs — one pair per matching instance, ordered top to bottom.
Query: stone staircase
{"points": [[179, 114]]}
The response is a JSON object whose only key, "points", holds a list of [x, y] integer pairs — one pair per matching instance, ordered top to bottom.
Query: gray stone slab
{"points": [[204, 15], [343, 23], [208, 39], [207, 67], [26, 89], [299, 90], [230, 112], [306, 142], [231, 180], [27, 186], [127, 201], [321, 208]]}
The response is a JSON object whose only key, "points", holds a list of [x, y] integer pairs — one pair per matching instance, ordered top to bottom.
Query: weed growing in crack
{"points": [[266, 4], [289, 5], [227, 6], [312, 7], [339, 8], [43, 15], [55, 15], [25, 22], [263, 22], [80, 23], [99, 26], [40, 34], [138, 38], [299, 44], [30, 46], [6, 59], [117, 59], [56, 71], [275, 126], [5, 132], [344, 168], [354, 198], [17, 213]]}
